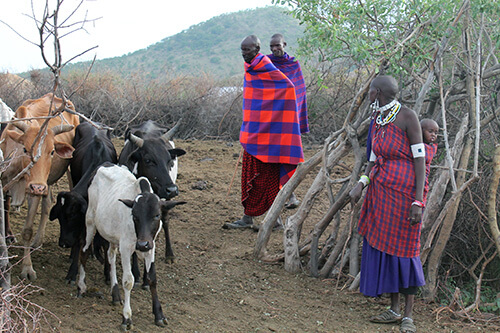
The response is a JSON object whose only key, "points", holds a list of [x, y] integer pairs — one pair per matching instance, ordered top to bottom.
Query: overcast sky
{"points": [[123, 26]]}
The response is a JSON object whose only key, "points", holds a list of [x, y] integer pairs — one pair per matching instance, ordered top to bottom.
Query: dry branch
{"points": [[492, 202]]}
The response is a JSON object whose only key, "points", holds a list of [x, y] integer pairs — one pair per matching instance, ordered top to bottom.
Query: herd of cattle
{"points": [[115, 203]]}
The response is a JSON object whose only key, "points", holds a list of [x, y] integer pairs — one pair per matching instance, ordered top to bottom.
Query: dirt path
{"points": [[215, 285]]}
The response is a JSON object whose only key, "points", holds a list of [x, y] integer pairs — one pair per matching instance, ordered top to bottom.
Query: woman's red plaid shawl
{"points": [[270, 130], [384, 216]]}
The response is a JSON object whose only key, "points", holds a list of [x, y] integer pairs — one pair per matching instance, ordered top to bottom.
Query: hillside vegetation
{"points": [[210, 47]]}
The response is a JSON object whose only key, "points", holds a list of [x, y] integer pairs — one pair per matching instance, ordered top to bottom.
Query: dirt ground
{"points": [[215, 284]]}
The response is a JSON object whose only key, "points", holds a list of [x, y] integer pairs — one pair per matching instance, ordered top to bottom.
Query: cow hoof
{"points": [[170, 259], [28, 273], [71, 282], [145, 287], [116, 302], [162, 322], [127, 325]]}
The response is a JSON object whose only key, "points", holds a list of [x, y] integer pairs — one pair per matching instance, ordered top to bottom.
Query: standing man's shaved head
{"points": [[250, 47]]}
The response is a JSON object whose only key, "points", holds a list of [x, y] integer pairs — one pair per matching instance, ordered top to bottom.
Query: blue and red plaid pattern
{"points": [[291, 68], [270, 130], [384, 216]]}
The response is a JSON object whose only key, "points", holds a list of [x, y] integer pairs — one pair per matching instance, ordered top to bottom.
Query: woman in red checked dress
{"points": [[392, 209]]}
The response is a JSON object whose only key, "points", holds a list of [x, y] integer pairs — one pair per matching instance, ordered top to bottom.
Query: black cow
{"points": [[93, 147], [148, 152]]}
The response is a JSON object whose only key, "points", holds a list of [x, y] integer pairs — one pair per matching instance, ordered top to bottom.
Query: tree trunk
{"points": [[492, 200], [4, 263]]}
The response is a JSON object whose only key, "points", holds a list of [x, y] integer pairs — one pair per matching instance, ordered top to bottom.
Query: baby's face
{"points": [[430, 132]]}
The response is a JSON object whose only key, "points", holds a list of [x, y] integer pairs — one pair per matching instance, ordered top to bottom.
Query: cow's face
{"points": [[40, 151], [155, 160], [70, 210], [147, 210], [146, 214]]}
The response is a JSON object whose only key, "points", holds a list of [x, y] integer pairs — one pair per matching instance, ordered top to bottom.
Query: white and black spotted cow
{"points": [[126, 213]]}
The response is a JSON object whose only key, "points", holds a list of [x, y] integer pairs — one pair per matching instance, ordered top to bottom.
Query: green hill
{"points": [[211, 47]]}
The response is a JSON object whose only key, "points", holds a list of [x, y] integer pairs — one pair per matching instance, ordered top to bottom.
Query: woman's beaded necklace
{"points": [[394, 106]]}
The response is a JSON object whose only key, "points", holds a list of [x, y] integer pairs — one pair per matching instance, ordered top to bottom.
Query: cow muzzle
{"points": [[37, 189], [171, 191], [65, 244], [143, 246]]}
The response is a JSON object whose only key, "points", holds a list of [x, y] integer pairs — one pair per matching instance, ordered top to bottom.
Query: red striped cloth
{"points": [[291, 68], [270, 130], [430, 151], [259, 185], [384, 216]]}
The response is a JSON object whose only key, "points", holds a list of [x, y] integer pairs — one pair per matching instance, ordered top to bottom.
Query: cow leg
{"points": [[70, 180], [44, 216], [9, 238], [102, 246], [169, 253], [84, 254], [107, 266], [73, 268], [135, 269], [27, 271], [145, 280], [128, 284], [82, 287], [115, 291], [160, 319]]}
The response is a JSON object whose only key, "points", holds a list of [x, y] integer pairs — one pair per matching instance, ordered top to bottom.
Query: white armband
{"points": [[418, 150], [373, 157]]}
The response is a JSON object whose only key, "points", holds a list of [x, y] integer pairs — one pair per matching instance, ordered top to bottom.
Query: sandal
{"points": [[386, 317], [407, 326]]}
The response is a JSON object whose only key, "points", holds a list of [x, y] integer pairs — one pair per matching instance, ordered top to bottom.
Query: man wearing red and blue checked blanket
{"points": [[290, 66], [269, 134]]}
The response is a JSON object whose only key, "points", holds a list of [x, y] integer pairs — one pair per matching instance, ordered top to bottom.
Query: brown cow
{"points": [[46, 154]]}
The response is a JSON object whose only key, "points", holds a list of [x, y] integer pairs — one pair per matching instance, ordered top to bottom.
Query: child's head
{"points": [[430, 130]]}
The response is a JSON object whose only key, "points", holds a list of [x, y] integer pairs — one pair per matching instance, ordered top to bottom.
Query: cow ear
{"points": [[22, 112], [16, 136], [63, 150], [176, 152], [144, 185], [127, 202], [167, 205], [54, 212]]}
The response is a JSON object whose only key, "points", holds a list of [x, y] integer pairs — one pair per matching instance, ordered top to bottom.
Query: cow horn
{"points": [[21, 125], [58, 129], [171, 132], [139, 142]]}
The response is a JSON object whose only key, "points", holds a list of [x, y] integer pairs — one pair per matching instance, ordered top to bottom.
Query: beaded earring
{"points": [[375, 105]]}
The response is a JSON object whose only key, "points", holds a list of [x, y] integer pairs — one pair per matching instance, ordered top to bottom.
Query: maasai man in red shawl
{"points": [[291, 68], [270, 133], [392, 209]]}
